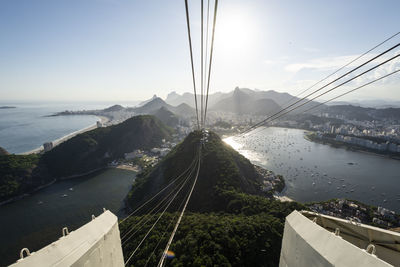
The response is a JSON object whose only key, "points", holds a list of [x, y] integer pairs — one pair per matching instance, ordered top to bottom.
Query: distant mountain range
{"points": [[188, 98], [281, 99], [239, 101], [255, 102], [378, 103], [153, 105], [361, 113], [167, 117]]}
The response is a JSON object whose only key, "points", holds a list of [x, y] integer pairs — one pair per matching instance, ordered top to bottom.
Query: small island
{"points": [[7, 107]]}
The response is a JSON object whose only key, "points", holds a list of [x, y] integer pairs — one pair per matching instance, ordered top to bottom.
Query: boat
{"points": [[71, 189], [65, 195], [40, 202]]}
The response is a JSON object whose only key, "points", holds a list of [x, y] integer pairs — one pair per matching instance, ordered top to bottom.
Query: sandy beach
{"points": [[103, 120], [128, 167], [283, 198]]}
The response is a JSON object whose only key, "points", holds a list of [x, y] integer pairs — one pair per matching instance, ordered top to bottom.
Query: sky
{"points": [[127, 50]]}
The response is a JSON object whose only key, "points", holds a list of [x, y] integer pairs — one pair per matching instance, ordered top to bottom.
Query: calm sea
{"points": [[27, 126], [316, 172], [36, 221]]}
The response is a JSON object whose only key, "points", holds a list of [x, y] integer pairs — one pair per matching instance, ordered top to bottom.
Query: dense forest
{"points": [[96, 148], [83, 153], [222, 169], [18, 173], [231, 222], [248, 233]]}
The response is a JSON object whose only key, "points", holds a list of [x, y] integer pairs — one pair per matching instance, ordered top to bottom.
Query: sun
{"points": [[234, 33]]}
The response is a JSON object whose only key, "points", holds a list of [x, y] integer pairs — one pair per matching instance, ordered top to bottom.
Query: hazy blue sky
{"points": [[129, 50]]}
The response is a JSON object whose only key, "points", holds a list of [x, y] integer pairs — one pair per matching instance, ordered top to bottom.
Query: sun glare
{"points": [[234, 33]]}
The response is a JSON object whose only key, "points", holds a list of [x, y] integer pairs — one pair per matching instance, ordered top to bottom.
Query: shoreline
{"points": [[64, 138], [349, 147], [37, 189], [285, 199], [391, 203]]}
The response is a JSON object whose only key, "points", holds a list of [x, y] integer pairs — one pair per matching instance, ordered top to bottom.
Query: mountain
{"points": [[172, 98], [175, 99], [281, 99], [147, 101], [242, 102], [375, 103], [151, 107], [113, 108], [183, 110], [361, 113], [167, 117], [96, 148], [3, 152], [223, 169], [228, 220]]}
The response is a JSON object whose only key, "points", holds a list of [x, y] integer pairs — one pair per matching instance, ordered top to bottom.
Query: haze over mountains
{"points": [[213, 99], [241, 101], [254, 102], [155, 104], [180, 109], [361, 113]]}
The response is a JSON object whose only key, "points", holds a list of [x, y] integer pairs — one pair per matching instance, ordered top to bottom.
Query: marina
{"points": [[317, 172]]}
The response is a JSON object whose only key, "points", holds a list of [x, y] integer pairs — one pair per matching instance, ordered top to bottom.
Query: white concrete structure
{"points": [[48, 146], [312, 239], [96, 244]]}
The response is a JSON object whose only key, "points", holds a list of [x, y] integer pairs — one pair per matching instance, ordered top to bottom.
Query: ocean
{"points": [[28, 126]]}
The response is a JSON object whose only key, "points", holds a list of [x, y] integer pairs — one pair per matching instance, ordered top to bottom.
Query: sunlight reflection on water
{"points": [[253, 156]]}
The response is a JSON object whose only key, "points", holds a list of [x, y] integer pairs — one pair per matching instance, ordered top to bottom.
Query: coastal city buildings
{"points": [[357, 212]]}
